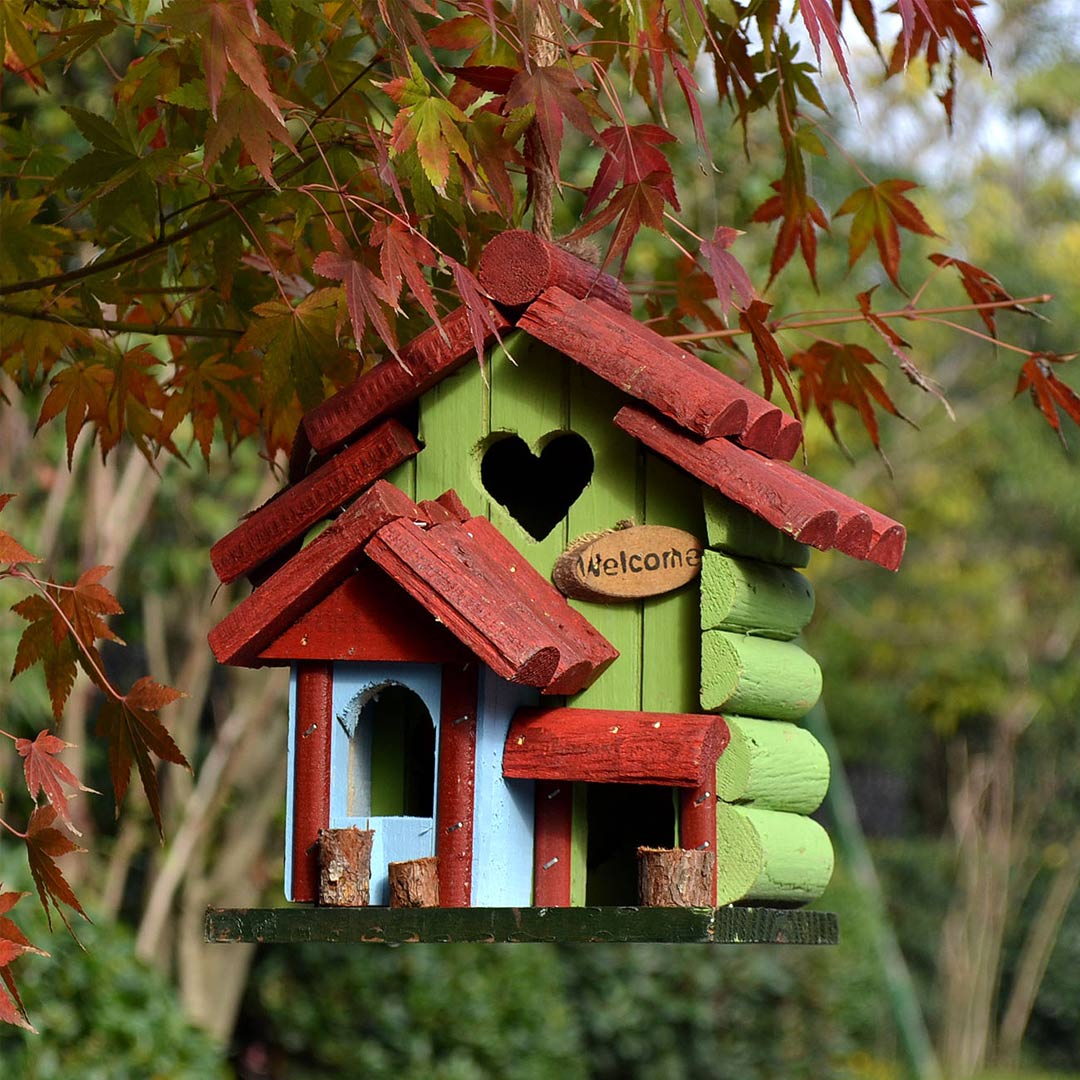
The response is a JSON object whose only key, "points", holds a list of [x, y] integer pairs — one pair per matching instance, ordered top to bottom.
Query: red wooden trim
{"points": [[517, 266], [620, 356], [389, 385], [767, 429], [749, 479], [452, 502], [290, 514], [307, 577], [471, 594], [367, 617], [584, 653], [607, 746], [311, 774], [457, 774], [697, 820], [552, 848]]}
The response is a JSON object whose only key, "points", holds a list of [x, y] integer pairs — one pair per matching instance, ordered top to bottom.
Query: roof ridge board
{"points": [[630, 363], [389, 385], [769, 430], [296, 508], [307, 577]]}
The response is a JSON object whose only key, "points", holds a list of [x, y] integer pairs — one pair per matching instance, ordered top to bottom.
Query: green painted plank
{"points": [[529, 398], [453, 424], [404, 477], [615, 493], [733, 529], [754, 597], [671, 643], [754, 676], [772, 765], [768, 855], [736, 925]]}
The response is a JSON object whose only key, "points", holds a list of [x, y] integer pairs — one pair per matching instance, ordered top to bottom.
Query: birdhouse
{"points": [[543, 655]]}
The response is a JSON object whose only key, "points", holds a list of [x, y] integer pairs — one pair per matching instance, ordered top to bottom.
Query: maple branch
{"points": [[160, 244], [115, 326], [991, 340], [11, 829]]}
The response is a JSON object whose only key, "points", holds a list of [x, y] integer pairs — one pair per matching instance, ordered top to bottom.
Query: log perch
{"points": [[345, 866], [674, 877], [414, 883]]}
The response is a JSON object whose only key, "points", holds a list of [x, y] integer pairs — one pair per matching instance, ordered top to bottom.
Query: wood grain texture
{"points": [[517, 266], [620, 357], [389, 385], [767, 429], [790, 500], [296, 509], [734, 530], [306, 578], [752, 597], [367, 617], [774, 680], [607, 746], [772, 765], [454, 796], [310, 811], [552, 847], [768, 855], [345, 866], [674, 877], [414, 883], [719, 926]]}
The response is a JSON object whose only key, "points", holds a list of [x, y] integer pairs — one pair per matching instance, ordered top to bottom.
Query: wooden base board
{"points": [[718, 926]]}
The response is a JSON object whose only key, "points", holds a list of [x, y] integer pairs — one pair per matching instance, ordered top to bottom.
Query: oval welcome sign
{"points": [[626, 564]]}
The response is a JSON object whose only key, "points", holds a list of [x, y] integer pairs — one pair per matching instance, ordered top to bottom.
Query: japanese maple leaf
{"points": [[822, 22], [230, 33], [553, 92], [244, 116], [429, 123], [490, 137], [631, 154], [632, 207], [880, 211], [799, 214], [402, 253], [732, 282], [693, 288], [983, 288], [365, 291], [481, 316], [898, 347], [770, 356], [832, 373], [80, 391], [1047, 391], [11, 551], [84, 606], [38, 644], [134, 732], [46, 773], [44, 845], [13, 944]]}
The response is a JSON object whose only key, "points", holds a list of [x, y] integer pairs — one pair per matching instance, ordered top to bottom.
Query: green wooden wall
{"points": [[534, 392]]}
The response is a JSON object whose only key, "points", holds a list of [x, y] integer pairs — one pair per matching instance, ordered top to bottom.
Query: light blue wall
{"points": [[503, 817]]}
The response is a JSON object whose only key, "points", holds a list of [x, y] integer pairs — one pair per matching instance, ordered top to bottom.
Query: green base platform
{"points": [[719, 926]]}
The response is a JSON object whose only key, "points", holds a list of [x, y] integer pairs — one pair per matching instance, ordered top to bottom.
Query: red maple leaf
{"points": [[821, 22], [553, 92], [631, 154], [632, 207], [880, 211], [799, 213], [402, 253], [727, 273], [983, 288], [365, 291], [481, 315], [770, 356], [1047, 391], [11, 551], [134, 732], [45, 772], [44, 845], [13, 944]]}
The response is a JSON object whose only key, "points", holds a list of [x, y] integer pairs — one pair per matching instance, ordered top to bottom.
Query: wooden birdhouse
{"points": [[543, 654]]}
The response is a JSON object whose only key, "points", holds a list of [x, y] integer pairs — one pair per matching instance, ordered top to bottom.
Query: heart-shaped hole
{"points": [[537, 491]]}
